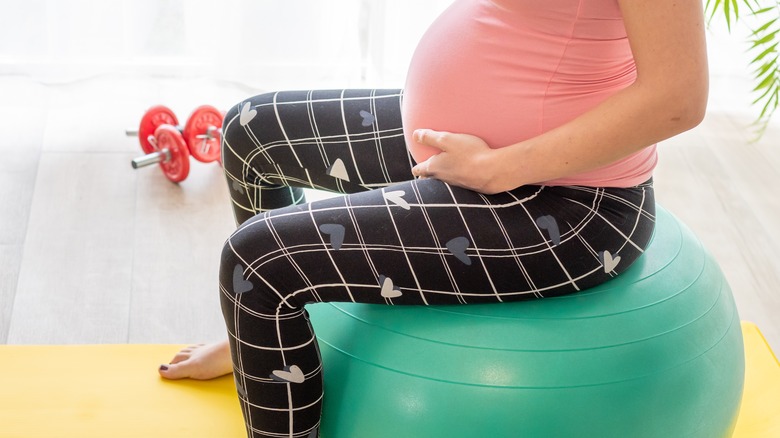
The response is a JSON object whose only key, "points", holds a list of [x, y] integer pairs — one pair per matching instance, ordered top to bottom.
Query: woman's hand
{"points": [[465, 161]]}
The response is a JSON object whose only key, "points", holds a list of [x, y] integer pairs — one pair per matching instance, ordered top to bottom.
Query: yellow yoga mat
{"points": [[85, 391], [101, 391], [759, 416]]}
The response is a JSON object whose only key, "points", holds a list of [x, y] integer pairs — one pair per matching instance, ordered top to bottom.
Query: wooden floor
{"points": [[92, 251]]}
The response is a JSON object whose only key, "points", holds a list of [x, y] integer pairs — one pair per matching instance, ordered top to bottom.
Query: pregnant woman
{"points": [[516, 164]]}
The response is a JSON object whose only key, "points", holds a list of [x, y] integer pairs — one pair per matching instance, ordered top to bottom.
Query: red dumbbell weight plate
{"points": [[154, 117], [202, 133], [177, 166]]}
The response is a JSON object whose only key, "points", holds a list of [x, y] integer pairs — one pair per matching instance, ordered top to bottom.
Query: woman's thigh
{"points": [[345, 141], [426, 242]]}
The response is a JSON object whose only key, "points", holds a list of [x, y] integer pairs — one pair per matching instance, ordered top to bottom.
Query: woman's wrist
{"points": [[506, 169]]}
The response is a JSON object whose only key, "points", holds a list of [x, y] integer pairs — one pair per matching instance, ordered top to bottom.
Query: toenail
{"points": [[164, 367]]}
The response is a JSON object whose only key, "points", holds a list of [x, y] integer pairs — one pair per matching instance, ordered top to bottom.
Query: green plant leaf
{"points": [[748, 4], [726, 7], [712, 8], [764, 10], [764, 27], [765, 39], [763, 49], [762, 55], [765, 68], [768, 81], [760, 98], [771, 105]]}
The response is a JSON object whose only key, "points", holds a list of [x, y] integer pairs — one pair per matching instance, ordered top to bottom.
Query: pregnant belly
{"points": [[478, 72], [463, 79], [453, 95]]}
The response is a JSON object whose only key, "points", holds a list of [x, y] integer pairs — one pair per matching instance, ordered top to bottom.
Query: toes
{"points": [[181, 356], [196, 362], [173, 371]]}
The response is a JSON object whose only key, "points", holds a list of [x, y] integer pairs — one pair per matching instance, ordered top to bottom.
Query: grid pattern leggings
{"points": [[391, 239]]}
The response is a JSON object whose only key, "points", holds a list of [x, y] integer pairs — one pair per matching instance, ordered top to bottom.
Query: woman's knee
{"points": [[244, 126], [240, 254], [247, 268]]}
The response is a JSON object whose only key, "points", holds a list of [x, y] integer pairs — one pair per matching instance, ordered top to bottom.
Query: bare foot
{"points": [[200, 362]]}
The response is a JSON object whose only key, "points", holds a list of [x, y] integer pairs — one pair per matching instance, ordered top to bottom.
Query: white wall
{"points": [[339, 42], [261, 43]]}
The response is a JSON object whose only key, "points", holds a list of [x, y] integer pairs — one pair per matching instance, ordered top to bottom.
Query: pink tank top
{"points": [[509, 70]]}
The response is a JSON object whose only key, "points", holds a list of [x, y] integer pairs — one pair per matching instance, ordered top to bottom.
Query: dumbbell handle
{"points": [[210, 131], [153, 158]]}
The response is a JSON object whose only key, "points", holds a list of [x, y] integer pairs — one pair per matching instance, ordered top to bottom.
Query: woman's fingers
{"points": [[431, 138], [459, 156], [423, 169]]}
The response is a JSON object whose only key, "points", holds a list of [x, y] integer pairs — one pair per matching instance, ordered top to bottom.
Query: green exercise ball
{"points": [[656, 352]]}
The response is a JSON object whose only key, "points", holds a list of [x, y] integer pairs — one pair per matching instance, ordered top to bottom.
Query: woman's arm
{"points": [[668, 97]]}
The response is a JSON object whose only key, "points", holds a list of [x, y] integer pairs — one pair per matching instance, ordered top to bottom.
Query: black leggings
{"points": [[393, 240]]}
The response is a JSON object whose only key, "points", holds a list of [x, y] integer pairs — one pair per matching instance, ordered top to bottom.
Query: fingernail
{"points": [[417, 135], [163, 367]]}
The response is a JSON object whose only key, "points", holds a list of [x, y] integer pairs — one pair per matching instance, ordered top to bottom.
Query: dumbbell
{"points": [[200, 138], [170, 151]]}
